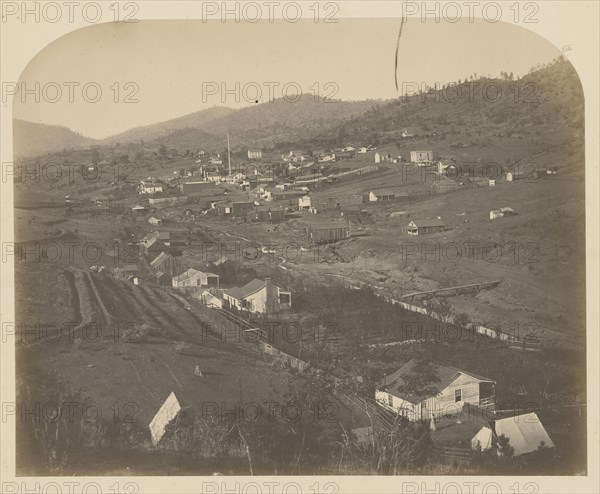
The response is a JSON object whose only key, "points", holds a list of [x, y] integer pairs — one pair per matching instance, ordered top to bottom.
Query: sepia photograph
{"points": [[318, 240]]}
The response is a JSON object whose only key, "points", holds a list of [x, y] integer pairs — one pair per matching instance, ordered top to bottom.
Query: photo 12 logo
{"points": [[70, 12], [253, 12], [516, 12], [70, 92], [260, 92]]}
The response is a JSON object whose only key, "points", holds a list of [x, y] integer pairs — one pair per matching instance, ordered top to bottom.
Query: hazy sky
{"points": [[170, 62]]}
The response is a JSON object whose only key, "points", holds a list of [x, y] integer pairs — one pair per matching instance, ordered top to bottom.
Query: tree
{"points": [[162, 151], [95, 154], [505, 450]]}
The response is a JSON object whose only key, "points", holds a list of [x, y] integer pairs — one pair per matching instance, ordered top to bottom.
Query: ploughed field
{"points": [[133, 345]]}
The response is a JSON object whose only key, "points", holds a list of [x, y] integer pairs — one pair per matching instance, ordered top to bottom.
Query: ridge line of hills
{"points": [[550, 94]]}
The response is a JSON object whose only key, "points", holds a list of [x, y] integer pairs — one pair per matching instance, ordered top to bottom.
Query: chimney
{"points": [[267, 281]]}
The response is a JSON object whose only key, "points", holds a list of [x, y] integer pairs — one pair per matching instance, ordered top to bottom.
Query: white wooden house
{"points": [[424, 156], [150, 187], [304, 202], [192, 278], [260, 296], [447, 393]]}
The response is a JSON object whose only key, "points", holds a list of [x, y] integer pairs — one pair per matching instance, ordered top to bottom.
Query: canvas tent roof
{"points": [[525, 433], [483, 439]]}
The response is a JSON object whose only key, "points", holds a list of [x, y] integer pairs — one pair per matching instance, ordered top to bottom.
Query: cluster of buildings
{"points": [[258, 296], [459, 405]]}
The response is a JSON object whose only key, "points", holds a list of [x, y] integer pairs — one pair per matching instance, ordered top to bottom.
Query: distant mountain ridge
{"points": [[549, 95], [198, 119], [253, 126], [33, 139]]}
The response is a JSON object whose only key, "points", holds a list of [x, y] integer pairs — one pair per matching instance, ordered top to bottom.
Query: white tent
{"points": [[167, 412], [525, 433], [483, 439]]}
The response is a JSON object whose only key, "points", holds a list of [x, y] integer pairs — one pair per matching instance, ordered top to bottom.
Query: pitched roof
{"points": [[388, 192], [267, 207], [427, 223], [151, 241], [161, 258], [187, 274], [248, 289], [393, 383], [451, 430], [524, 432]]}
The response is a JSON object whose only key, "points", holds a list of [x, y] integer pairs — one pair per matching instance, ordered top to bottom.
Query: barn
{"points": [[191, 189], [266, 213], [423, 227], [324, 233], [167, 264], [439, 390]]}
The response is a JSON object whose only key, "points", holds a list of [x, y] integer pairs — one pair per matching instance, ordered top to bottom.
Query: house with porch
{"points": [[260, 296], [421, 391]]}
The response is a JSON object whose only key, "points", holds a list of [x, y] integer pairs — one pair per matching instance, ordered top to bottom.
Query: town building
{"points": [[254, 154], [424, 156], [445, 166], [521, 175], [151, 186], [444, 186], [191, 189], [386, 195], [290, 196], [304, 203], [320, 204], [266, 213], [499, 213], [155, 221], [423, 227], [324, 233], [153, 246], [167, 264], [193, 278], [260, 296], [208, 298], [450, 390]]}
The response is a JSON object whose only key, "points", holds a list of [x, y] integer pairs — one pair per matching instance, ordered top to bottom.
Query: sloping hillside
{"points": [[548, 96], [545, 107], [193, 120], [31, 139]]}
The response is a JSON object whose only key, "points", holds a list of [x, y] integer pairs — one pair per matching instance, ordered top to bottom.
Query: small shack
{"points": [[499, 213], [423, 227], [323, 233]]}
